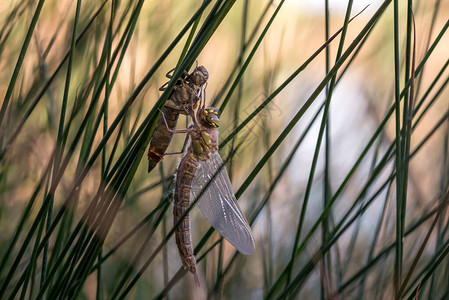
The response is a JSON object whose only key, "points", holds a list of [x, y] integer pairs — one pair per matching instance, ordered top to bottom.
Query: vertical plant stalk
{"points": [[408, 133], [404, 147], [399, 157], [326, 184]]}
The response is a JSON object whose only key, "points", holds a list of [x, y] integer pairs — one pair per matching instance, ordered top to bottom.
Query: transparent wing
{"points": [[218, 204]]}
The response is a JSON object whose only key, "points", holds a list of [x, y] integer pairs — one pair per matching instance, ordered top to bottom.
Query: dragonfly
{"points": [[187, 89], [202, 174]]}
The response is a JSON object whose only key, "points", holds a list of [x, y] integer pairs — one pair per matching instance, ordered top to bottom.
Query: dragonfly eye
{"points": [[211, 116]]}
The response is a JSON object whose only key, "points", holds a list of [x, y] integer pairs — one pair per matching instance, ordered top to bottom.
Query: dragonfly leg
{"points": [[168, 75], [164, 87], [204, 95], [191, 111], [168, 127]]}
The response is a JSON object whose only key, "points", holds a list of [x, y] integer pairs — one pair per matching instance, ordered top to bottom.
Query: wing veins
{"points": [[222, 213]]}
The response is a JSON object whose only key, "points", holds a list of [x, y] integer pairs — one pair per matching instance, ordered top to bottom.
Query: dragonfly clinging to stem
{"points": [[201, 172]]}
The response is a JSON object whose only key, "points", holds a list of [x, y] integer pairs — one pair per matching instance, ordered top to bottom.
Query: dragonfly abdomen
{"points": [[186, 170]]}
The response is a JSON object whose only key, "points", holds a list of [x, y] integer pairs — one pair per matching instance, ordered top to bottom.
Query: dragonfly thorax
{"points": [[204, 143]]}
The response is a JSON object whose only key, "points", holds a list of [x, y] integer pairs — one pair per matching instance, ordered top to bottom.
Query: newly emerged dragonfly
{"points": [[187, 90], [202, 168]]}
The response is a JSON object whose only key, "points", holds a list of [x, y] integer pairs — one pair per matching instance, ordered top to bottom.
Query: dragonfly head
{"points": [[199, 76], [210, 116]]}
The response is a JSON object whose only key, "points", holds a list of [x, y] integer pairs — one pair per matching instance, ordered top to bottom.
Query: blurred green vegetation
{"points": [[338, 151]]}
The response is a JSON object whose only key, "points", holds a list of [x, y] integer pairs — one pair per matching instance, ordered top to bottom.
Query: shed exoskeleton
{"points": [[187, 90]]}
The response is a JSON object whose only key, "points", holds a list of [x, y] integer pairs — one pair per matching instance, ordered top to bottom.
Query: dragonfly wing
{"points": [[218, 204]]}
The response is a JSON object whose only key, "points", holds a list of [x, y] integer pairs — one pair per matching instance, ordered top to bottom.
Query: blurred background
{"points": [[80, 216]]}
